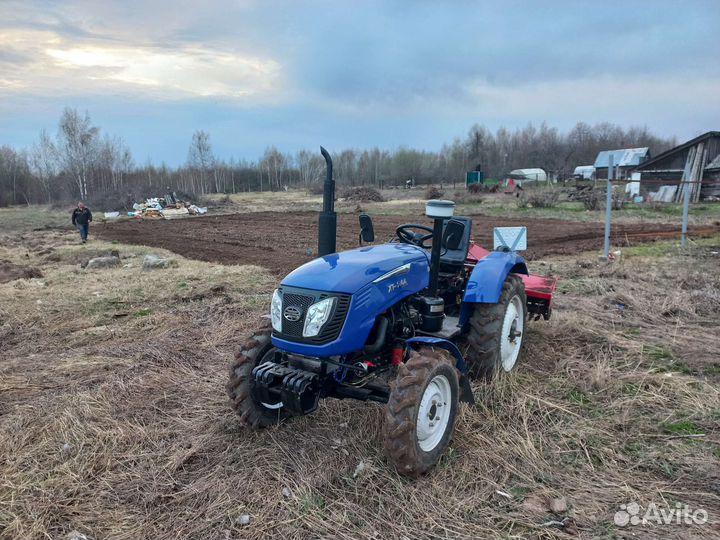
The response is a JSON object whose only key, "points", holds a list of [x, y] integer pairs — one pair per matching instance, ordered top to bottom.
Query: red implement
{"points": [[539, 289]]}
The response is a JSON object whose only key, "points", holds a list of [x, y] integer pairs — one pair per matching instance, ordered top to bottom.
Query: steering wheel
{"points": [[406, 236]]}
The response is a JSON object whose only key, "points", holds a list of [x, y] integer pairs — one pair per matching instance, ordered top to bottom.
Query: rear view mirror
{"points": [[367, 232], [453, 236]]}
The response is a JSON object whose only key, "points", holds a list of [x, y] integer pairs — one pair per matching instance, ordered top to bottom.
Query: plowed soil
{"points": [[281, 242], [10, 272]]}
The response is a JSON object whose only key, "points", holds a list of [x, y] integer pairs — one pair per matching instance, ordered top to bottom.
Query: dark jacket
{"points": [[81, 217]]}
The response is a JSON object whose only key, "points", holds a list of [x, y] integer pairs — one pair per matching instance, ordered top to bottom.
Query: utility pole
{"points": [[608, 208]]}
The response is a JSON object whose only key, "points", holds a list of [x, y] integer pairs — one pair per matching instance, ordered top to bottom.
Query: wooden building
{"points": [[697, 161]]}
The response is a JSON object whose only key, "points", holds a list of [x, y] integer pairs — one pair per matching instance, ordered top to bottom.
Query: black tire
{"points": [[483, 340], [240, 383], [401, 440]]}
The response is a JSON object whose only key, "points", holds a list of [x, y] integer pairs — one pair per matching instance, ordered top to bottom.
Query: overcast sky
{"points": [[360, 73]]}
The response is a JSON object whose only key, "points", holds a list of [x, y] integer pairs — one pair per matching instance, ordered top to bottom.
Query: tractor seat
{"points": [[451, 259]]}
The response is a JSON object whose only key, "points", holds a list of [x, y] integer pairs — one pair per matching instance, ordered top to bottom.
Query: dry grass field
{"points": [[114, 420]]}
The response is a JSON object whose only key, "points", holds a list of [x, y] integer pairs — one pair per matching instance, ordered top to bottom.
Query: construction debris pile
{"points": [[167, 207]]}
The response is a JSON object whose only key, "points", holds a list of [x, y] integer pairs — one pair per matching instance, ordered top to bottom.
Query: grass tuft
{"points": [[682, 427]]}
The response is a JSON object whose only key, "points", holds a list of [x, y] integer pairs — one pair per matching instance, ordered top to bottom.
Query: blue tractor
{"points": [[404, 323]]}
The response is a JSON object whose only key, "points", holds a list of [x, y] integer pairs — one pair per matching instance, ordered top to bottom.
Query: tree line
{"points": [[80, 162]]}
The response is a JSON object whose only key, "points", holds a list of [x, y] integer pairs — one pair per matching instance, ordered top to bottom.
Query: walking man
{"points": [[81, 218]]}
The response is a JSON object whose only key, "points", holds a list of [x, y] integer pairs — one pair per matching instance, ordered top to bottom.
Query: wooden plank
{"points": [[701, 170], [686, 173], [694, 175]]}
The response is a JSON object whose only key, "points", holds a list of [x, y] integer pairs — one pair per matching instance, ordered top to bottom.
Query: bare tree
{"points": [[77, 147], [200, 157], [114, 161], [43, 163], [126, 164], [274, 164], [345, 165], [310, 166], [15, 176]]}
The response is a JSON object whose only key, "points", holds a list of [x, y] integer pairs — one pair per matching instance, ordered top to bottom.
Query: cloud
{"points": [[42, 62], [186, 71], [397, 72]]}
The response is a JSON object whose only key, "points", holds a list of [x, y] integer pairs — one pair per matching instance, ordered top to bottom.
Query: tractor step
{"points": [[449, 330], [369, 392]]}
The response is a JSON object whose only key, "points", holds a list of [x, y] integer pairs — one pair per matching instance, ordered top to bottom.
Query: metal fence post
{"points": [[608, 208], [686, 210]]}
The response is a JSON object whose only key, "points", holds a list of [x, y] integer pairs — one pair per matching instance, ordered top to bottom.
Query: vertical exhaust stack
{"points": [[327, 225]]}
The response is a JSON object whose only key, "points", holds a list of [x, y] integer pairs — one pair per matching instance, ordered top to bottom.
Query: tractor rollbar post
{"points": [[327, 225]]}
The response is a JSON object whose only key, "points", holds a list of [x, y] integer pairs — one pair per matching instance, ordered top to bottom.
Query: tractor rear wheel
{"points": [[497, 331], [239, 387], [420, 415]]}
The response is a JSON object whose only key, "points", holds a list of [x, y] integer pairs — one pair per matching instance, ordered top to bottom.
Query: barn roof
{"points": [[625, 157]]}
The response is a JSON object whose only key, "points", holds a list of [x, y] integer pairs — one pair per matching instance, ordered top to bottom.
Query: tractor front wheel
{"points": [[496, 334], [254, 352], [420, 415]]}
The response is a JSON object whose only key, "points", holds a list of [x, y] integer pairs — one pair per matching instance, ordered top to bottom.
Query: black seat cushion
{"points": [[456, 257]]}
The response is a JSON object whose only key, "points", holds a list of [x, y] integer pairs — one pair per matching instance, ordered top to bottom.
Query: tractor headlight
{"points": [[276, 311], [317, 315]]}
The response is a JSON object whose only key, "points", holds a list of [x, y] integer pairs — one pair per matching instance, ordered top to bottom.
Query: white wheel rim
{"points": [[512, 333], [272, 406], [434, 413]]}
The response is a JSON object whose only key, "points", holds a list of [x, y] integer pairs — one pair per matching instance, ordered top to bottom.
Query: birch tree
{"points": [[77, 147], [200, 157], [43, 163], [310, 166]]}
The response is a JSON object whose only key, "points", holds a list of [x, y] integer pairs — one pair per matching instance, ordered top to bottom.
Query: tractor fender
{"points": [[486, 281], [449, 346], [466, 395]]}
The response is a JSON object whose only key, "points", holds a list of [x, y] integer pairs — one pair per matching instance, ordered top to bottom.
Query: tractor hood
{"points": [[349, 271]]}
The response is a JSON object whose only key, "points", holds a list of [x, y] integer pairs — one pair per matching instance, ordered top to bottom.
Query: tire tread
{"points": [[483, 336], [238, 385], [406, 390]]}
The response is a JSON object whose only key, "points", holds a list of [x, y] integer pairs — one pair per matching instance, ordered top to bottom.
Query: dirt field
{"points": [[282, 241], [11, 272], [114, 420]]}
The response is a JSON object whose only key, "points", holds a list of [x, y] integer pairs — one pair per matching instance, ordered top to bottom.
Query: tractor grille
{"points": [[303, 299], [295, 328]]}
